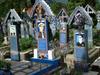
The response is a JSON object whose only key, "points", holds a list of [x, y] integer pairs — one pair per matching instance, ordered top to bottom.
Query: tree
{"points": [[50, 1], [32, 2], [91, 2], [72, 4], [6, 5], [97, 5], [56, 6]]}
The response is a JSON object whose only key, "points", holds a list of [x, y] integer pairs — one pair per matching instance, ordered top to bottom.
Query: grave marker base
{"points": [[53, 63], [81, 66]]}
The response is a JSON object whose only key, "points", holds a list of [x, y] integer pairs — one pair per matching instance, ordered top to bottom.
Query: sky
{"points": [[64, 1], [99, 1]]}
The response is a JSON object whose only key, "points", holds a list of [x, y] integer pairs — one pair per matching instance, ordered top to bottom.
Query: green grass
{"points": [[26, 44], [2, 45], [26, 49], [22, 50]]}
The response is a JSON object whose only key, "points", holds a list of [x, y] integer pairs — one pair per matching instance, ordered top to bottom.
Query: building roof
{"points": [[44, 5], [89, 7], [80, 9], [60, 11], [14, 15], [54, 21]]}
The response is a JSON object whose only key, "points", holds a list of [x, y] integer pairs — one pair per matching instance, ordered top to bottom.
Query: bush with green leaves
{"points": [[55, 36], [25, 43], [2, 64]]}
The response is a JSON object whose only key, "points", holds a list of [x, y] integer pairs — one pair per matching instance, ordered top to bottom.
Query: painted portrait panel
{"points": [[12, 30], [41, 30], [80, 40]]}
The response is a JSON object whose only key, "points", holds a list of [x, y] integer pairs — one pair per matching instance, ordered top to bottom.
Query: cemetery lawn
{"points": [[26, 44], [2, 45], [22, 50], [26, 50], [2, 64]]}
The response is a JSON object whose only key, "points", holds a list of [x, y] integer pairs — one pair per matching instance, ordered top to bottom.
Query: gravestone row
{"points": [[81, 39]]}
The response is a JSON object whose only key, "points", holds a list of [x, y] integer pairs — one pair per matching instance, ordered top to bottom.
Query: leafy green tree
{"points": [[50, 1], [91, 2], [72, 4], [6, 5], [97, 5], [56, 6], [70, 7]]}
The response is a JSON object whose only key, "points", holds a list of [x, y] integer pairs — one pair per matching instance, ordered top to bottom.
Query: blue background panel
{"points": [[22, 31], [62, 36], [13, 43], [42, 44], [80, 53], [15, 57]]}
